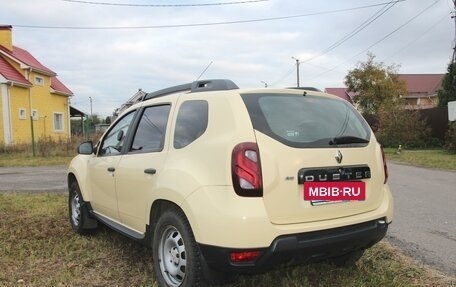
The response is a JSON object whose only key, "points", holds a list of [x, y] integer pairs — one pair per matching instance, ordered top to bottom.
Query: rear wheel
{"points": [[78, 212], [177, 258]]}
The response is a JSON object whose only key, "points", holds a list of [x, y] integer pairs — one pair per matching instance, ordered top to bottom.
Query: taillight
{"points": [[385, 168], [246, 170], [244, 256]]}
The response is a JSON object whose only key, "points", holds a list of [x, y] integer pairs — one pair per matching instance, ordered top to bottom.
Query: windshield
{"points": [[307, 121]]}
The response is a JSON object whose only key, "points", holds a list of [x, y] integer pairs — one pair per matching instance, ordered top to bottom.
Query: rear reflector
{"points": [[246, 170], [244, 257]]}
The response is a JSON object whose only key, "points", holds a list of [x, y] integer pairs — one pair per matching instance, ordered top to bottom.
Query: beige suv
{"points": [[220, 180]]}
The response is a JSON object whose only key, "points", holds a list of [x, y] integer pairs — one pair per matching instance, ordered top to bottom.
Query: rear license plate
{"points": [[319, 192]]}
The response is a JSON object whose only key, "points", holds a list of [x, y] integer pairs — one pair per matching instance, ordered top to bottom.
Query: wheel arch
{"points": [[158, 207]]}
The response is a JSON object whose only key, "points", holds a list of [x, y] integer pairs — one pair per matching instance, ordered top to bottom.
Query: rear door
{"points": [[300, 135], [138, 171]]}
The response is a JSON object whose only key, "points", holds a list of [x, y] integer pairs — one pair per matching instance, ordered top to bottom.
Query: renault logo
{"points": [[339, 156]]}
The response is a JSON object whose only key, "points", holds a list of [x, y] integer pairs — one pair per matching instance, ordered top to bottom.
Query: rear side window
{"points": [[307, 121], [191, 122], [150, 134]]}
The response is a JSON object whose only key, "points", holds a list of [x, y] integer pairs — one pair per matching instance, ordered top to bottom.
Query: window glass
{"points": [[22, 114], [307, 121], [58, 122], [191, 122], [150, 135], [113, 141]]}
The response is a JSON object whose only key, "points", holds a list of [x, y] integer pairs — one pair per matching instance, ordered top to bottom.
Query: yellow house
{"points": [[31, 96]]}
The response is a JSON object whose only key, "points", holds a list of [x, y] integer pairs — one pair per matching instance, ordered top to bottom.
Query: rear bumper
{"points": [[303, 247]]}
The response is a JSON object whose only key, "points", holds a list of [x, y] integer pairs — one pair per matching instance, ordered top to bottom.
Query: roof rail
{"points": [[195, 87]]}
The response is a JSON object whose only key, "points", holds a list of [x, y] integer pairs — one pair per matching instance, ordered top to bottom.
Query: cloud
{"points": [[110, 65]]}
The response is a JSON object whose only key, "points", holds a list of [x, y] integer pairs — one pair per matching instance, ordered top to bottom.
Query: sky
{"points": [[108, 49]]}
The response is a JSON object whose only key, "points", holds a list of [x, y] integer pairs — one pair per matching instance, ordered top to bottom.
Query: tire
{"points": [[79, 213], [176, 257], [347, 260]]}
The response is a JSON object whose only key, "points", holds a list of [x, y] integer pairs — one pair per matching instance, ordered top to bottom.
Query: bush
{"points": [[398, 126], [450, 138], [47, 146]]}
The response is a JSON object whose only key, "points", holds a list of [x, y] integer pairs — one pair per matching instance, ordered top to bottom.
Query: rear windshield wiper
{"points": [[347, 140]]}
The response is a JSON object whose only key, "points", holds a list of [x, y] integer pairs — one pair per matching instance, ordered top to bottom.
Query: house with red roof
{"points": [[422, 90], [341, 93], [31, 95]]}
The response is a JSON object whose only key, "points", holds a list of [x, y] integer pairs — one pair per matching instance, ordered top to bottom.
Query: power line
{"points": [[164, 5], [203, 24], [358, 29], [416, 39], [379, 41], [336, 44]]}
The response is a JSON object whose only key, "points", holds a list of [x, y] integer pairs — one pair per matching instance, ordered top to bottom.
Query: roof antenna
{"points": [[207, 67]]}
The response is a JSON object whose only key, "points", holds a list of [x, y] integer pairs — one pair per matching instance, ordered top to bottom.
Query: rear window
{"points": [[307, 121], [191, 123]]}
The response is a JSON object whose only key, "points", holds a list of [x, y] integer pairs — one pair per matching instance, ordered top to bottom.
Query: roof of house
{"points": [[25, 57], [11, 74], [422, 84], [59, 87], [341, 93], [138, 96], [74, 112]]}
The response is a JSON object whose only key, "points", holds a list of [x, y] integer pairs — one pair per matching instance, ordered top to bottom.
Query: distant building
{"points": [[422, 90], [29, 93], [341, 93], [137, 97]]}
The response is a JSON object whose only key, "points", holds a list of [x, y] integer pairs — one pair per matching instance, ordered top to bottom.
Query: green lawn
{"points": [[433, 158], [21, 159], [38, 248]]}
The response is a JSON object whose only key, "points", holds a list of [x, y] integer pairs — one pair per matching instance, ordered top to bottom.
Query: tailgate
{"points": [[283, 192]]}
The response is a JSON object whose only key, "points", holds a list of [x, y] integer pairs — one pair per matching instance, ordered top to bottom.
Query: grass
{"points": [[48, 151], [433, 158], [22, 159], [38, 248]]}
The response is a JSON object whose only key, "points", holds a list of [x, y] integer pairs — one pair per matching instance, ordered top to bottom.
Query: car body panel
{"points": [[198, 179], [283, 196], [221, 218]]}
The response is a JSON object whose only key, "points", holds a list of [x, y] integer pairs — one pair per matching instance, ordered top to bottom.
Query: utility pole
{"points": [[453, 16], [453, 60], [297, 69], [90, 98], [91, 114]]}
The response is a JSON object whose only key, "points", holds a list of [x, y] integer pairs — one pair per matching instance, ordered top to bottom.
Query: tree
{"points": [[375, 85], [448, 92], [378, 94]]}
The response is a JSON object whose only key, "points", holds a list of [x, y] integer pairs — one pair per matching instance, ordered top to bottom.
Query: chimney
{"points": [[6, 36]]}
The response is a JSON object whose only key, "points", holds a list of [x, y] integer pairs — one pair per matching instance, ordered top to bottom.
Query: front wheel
{"points": [[78, 212], [176, 257]]}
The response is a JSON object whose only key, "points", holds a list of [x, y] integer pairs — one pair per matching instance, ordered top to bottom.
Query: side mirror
{"points": [[120, 135], [85, 148]]}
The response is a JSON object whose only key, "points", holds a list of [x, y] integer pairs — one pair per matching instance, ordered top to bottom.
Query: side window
{"points": [[191, 123], [150, 135], [114, 140]]}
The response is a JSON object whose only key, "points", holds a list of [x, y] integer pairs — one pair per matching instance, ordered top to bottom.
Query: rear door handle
{"points": [[111, 169], [150, 170]]}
